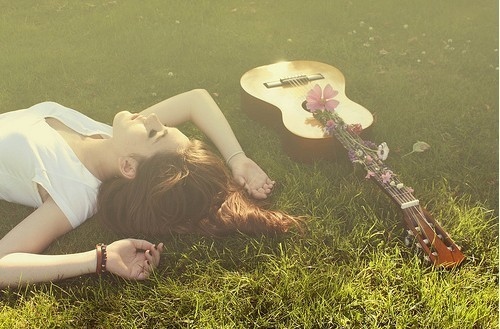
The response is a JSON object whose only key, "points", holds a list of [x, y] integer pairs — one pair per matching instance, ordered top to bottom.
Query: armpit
{"points": [[44, 195]]}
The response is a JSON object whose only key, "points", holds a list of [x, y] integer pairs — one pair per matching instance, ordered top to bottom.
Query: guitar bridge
{"points": [[294, 81]]}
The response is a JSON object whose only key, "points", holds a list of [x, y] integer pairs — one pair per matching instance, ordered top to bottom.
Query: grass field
{"points": [[428, 70]]}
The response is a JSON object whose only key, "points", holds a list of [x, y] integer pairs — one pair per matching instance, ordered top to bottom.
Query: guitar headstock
{"points": [[431, 238]]}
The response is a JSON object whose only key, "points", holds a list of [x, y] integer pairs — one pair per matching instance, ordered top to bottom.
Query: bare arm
{"points": [[199, 107], [20, 262]]}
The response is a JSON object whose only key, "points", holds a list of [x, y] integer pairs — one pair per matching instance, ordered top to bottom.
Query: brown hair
{"points": [[191, 191]]}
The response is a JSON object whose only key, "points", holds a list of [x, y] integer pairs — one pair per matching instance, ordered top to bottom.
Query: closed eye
{"points": [[152, 133]]}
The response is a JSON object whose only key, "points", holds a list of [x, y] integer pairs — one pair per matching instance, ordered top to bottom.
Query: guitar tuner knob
{"points": [[417, 228], [410, 233], [426, 241], [419, 246], [450, 248], [459, 248], [434, 254], [427, 258]]}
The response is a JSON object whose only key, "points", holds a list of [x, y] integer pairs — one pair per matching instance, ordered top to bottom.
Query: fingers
{"points": [[262, 191], [256, 194], [141, 244], [153, 254], [152, 260], [145, 271]]}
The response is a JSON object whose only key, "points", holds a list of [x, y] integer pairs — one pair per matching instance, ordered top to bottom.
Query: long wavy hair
{"points": [[190, 191]]}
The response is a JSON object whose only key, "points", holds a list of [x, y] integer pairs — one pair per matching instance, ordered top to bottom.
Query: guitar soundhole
{"points": [[304, 106]]}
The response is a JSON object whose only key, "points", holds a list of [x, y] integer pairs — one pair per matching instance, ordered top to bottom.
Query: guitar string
{"points": [[402, 195], [430, 240]]}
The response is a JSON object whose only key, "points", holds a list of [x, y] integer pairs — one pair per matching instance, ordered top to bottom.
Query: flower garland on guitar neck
{"points": [[321, 103]]}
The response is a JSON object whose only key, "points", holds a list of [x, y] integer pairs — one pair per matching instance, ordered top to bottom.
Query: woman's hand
{"points": [[249, 175], [133, 259]]}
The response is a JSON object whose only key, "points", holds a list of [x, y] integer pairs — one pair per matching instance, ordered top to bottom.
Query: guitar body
{"points": [[275, 95]]}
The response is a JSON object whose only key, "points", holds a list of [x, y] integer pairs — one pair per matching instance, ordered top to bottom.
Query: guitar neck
{"points": [[363, 153], [430, 236]]}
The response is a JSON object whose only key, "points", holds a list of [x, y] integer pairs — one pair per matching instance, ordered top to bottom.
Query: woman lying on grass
{"points": [[154, 181]]}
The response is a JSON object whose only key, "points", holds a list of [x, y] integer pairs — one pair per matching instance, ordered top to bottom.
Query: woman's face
{"points": [[135, 134]]}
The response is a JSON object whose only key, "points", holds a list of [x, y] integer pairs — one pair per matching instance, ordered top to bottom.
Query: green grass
{"points": [[428, 70]]}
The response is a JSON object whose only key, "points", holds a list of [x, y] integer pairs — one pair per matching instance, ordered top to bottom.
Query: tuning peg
{"points": [[417, 228], [410, 232], [440, 236], [426, 241], [419, 246], [450, 248], [459, 248], [434, 254], [427, 258]]}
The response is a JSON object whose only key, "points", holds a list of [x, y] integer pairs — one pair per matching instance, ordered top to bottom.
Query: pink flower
{"points": [[318, 99], [355, 128], [369, 174], [386, 176]]}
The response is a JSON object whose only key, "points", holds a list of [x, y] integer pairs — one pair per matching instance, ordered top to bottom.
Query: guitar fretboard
{"points": [[363, 154]]}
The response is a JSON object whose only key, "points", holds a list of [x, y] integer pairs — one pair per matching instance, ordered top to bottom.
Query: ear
{"points": [[128, 167]]}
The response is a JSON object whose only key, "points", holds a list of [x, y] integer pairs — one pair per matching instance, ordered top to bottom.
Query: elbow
{"points": [[199, 91], [200, 94]]}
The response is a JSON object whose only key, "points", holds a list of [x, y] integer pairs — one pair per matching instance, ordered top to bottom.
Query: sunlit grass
{"points": [[427, 70]]}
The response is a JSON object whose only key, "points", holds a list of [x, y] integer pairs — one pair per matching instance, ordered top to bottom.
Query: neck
{"points": [[99, 158]]}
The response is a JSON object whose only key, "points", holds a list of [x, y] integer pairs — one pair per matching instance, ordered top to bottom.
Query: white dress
{"points": [[32, 152]]}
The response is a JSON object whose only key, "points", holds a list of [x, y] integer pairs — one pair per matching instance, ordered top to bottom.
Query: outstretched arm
{"points": [[199, 107], [20, 262]]}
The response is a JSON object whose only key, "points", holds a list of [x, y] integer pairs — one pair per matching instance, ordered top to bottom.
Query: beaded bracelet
{"points": [[102, 257]]}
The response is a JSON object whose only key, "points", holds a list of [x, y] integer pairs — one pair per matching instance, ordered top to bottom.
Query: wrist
{"points": [[234, 155]]}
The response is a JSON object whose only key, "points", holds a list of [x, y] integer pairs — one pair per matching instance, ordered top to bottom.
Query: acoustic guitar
{"points": [[278, 93], [275, 95]]}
